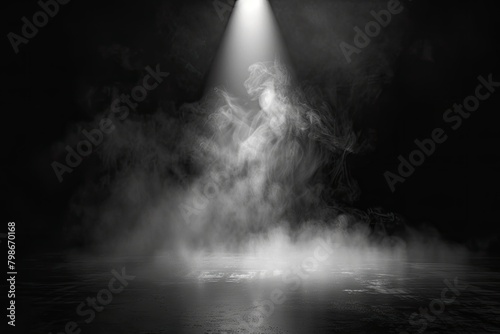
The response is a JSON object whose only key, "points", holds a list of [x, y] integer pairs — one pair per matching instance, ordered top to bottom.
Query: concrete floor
{"points": [[226, 297]]}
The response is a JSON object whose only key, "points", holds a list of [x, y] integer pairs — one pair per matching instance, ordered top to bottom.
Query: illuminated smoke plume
{"points": [[262, 160], [263, 176]]}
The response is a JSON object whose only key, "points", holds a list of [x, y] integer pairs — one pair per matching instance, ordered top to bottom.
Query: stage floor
{"points": [[228, 297]]}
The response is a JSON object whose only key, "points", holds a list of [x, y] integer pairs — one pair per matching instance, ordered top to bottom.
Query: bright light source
{"points": [[250, 4], [252, 36]]}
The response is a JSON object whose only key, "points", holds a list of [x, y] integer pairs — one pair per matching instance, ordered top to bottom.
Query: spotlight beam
{"points": [[252, 36]]}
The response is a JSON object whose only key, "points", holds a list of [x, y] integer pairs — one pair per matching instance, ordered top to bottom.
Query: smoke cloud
{"points": [[264, 176]]}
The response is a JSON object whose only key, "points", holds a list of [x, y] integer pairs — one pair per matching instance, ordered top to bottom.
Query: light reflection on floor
{"points": [[220, 296]]}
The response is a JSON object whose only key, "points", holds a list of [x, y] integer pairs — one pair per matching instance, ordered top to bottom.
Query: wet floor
{"points": [[228, 297]]}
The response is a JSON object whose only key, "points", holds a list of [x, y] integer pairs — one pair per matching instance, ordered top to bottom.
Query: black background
{"points": [[456, 190]]}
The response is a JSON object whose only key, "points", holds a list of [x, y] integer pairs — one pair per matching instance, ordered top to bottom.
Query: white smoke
{"points": [[258, 176]]}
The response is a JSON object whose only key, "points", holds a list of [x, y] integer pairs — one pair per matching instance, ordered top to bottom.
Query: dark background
{"points": [[396, 90]]}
